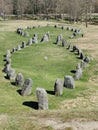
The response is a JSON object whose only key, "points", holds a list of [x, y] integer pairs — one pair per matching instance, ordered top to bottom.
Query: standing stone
{"points": [[55, 26], [63, 27], [19, 30], [22, 33], [26, 34], [48, 34], [35, 35], [45, 38], [58, 39], [35, 40], [30, 41], [63, 43], [23, 44], [70, 47], [18, 48], [13, 50], [8, 53], [82, 56], [87, 59], [8, 60], [83, 64], [78, 66], [7, 68], [11, 74], [78, 74], [19, 80], [69, 82], [27, 87], [58, 87], [42, 98]]}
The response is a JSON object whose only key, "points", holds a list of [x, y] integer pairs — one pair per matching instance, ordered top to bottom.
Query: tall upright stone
{"points": [[26, 34], [48, 34], [45, 38], [58, 39], [35, 40], [30, 41], [63, 42], [23, 44], [18, 48], [13, 50], [8, 53], [82, 56], [87, 59], [8, 60], [83, 64], [7, 68], [11, 74], [78, 74], [19, 80], [69, 82], [27, 87], [58, 87], [42, 98]]}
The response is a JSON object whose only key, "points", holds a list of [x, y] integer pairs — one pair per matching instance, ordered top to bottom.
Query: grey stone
{"points": [[55, 26], [63, 27], [68, 28], [19, 30], [22, 33], [26, 34], [48, 34], [35, 35], [61, 36], [72, 36], [45, 38], [58, 39], [35, 40], [30, 41], [64, 42], [23, 44], [70, 47], [18, 48], [75, 48], [13, 50], [79, 51], [8, 53], [82, 56], [87, 59], [8, 60], [83, 64], [78, 66], [7, 68], [11, 74], [78, 74], [19, 80], [69, 82], [27, 87], [58, 87], [42, 98]]}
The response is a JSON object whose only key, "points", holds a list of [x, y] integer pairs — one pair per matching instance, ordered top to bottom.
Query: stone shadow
{"points": [[73, 71], [13, 83], [19, 91], [50, 92], [31, 104]]}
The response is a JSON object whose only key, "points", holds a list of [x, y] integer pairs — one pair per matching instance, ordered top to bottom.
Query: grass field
{"points": [[19, 112]]}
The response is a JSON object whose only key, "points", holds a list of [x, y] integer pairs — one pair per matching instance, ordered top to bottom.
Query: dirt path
{"points": [[72, 125]]}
